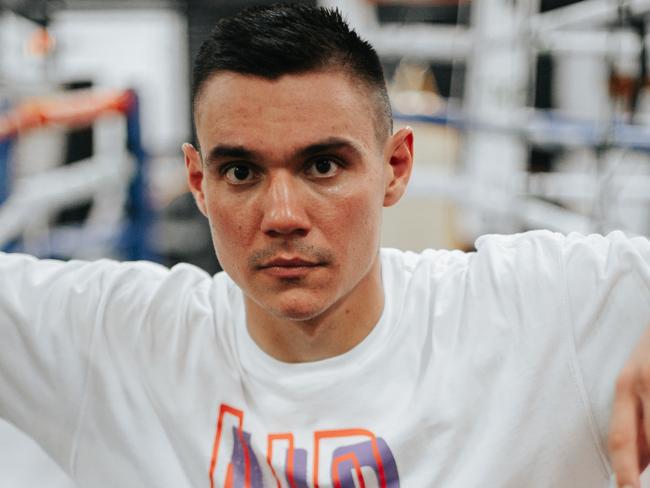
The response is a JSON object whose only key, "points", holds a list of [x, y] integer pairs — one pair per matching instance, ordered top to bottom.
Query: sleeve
{"points": [[608, 290], [49, 311]]}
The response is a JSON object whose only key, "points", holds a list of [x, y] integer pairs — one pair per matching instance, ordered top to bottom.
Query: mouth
{"points": [[288, 263], [293, 267]]}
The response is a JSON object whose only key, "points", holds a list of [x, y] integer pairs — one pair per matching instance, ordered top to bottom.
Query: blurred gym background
{"points": [[527, 114]]}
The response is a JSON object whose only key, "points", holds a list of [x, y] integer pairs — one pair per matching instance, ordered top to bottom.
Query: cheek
{"points": [[354, 221], [228, 227], [231, 228]]}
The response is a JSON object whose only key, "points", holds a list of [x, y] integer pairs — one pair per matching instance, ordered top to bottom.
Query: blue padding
{"points": [[547, 127], [5, 153], [5, 172], [136, 238]]}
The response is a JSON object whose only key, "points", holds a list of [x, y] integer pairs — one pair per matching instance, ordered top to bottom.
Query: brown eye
{"points": [[323, 168], [241, 172], [238, 174]]}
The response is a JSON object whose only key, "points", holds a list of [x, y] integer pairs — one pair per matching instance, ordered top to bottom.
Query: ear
{"points": [[399, 162], [194, 168]]}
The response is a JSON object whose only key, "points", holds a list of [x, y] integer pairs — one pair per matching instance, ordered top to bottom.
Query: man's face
{"points": [[293, 180]]}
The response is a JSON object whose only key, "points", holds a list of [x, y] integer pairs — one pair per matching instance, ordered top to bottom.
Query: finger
{"points": [[643, 434], [643, 440], [623, 449]]}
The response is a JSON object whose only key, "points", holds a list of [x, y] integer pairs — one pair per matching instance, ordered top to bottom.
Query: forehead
{"points": [[291, 111]]}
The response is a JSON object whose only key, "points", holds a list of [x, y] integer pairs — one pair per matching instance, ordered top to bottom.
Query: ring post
{"points": [[136, 237]]}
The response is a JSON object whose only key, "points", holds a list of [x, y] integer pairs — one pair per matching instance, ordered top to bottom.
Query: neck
{"points": [[335, 331]]}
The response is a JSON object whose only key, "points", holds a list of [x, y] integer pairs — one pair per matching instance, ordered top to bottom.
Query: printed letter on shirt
{"points": [[345, 458]]}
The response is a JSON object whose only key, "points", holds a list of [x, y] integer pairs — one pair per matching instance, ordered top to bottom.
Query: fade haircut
{"points": [[275, 40]]}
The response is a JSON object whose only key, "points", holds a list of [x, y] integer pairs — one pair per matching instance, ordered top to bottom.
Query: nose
{"points": [[284, 208]]}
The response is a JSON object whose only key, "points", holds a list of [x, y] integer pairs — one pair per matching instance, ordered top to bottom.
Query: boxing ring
{"points": [[115, 173]]}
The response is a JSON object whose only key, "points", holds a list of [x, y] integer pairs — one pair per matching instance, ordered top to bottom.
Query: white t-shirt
{"points": [[486, 369]]}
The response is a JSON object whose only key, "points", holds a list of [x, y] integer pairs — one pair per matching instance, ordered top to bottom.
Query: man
{"points": [[318, 359]]}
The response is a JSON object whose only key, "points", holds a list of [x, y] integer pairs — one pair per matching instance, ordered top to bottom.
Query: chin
{"points": [[303, 308], [296, 313]]}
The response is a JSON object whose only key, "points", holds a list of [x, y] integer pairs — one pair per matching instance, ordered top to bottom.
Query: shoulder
{"points": [[542, 242], [493, 250], [516, 254], [427, 261], [503, 270], [90, 277], [172, 291]]}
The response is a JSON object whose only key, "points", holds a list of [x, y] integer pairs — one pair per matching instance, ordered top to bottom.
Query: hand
{"points": [[629, 430]]}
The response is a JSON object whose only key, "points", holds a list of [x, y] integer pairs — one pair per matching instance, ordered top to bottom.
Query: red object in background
{"points": [[41, 44], [70, 110]]}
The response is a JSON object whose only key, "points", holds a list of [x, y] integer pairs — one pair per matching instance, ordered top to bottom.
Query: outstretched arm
{"points": [[48, 310], [51, 318]]}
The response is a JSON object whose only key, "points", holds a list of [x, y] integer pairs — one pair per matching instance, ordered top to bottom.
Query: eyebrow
{"points": [[330, 144], [225, 151], [241, 152]]}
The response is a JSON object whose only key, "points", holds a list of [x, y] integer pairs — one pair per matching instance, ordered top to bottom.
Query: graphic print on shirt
{"points": [[345, 458]]}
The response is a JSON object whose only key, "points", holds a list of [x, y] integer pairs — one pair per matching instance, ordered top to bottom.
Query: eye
{"points": [[323, 168], [238, 174]]}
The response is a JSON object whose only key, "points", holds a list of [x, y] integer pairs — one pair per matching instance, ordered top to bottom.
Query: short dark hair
{"points": [[274, 40]]}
